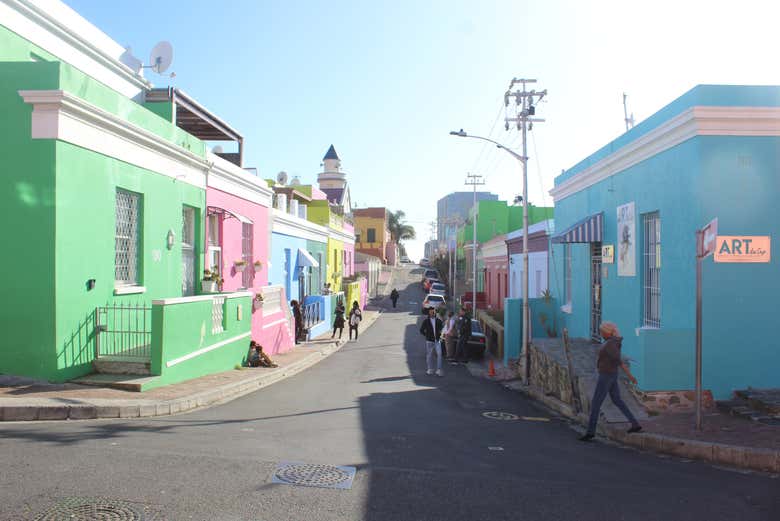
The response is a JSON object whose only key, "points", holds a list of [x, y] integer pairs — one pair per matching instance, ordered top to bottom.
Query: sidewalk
{"points": [[25, 399], [724, 439]]}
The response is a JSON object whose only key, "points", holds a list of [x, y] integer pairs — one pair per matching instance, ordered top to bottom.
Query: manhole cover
{"points": [[498, 415], [312, 475], [93, 509]]}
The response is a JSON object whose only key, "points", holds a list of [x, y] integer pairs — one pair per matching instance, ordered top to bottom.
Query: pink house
{"points": [[237, 245]]}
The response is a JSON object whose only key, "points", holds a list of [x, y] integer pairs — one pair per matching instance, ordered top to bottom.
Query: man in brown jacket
{"points": [[609, 361]]}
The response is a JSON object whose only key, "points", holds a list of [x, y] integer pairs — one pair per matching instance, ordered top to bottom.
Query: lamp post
{"points": [[523, 159]]}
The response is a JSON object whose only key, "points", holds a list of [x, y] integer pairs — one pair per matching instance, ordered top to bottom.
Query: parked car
{"points": [[405, 260], [425, 262], [430, 274], [430, 282], [437, 288], [432, 301], [475, 347]]}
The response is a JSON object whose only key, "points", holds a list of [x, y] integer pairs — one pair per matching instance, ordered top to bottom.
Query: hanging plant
{"points": [[239, 265], [258, 265]]}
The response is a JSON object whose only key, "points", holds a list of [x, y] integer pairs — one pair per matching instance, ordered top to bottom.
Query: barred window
{"points": [[127, 238], [188, 251], [651, 253], [246, 255], [567, 272]]}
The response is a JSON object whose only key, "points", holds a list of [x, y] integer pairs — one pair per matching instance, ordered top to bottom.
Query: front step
{"points": [[122, 365], [125, 382]]}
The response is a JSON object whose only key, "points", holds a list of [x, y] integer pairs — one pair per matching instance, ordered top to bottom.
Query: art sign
{"points": [[626, 229], [742, 248], [608, 254]]}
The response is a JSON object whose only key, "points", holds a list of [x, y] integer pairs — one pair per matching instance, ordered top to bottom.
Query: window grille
{"points": [[126, 238], [188, 251], [651, 253], [248, 275], [567, 275], [217, 315]]}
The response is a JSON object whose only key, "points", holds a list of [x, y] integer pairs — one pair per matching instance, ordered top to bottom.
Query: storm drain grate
{"points": [[498, 415], [313, 475], [94, 509]]}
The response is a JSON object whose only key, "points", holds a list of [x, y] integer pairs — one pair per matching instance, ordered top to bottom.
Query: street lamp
{"points": [[523, 160]]}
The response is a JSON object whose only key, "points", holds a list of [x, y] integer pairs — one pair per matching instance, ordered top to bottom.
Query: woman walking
{"points": [[394, 297], [355, 316], [298, 317], [338, 322], [609, 362]]}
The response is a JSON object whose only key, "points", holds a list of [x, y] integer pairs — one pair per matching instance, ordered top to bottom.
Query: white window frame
{"points": [[214, 239], [651, 270], [131, 278]]}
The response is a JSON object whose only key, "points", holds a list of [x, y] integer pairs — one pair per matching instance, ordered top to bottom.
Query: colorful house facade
{"points": [[111, 201], [627, 217], [372, 235], [538, 260]]}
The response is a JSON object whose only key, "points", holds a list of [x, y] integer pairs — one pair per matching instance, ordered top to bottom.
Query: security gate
{"points": [[595, 291], [123, 329]]}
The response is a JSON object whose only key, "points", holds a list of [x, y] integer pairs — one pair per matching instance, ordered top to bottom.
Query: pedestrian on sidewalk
{"points": [[394, 297], [355, 316], [298, 318], [338, 321], [463, 326], [431, 328], [450, 333], [257, 358], [608, 363]]}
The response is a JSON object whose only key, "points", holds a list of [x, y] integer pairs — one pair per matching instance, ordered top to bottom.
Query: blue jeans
{"points": [[607, 384]]}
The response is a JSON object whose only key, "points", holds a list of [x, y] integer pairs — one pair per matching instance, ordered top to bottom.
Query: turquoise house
{"points": [[625, 248]]}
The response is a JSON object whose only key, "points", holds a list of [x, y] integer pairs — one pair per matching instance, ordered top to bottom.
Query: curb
{"points": [[107, 408], [751, 458]]}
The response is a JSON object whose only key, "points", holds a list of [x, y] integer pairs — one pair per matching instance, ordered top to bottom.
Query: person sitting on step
{"points": [[257, 358]]}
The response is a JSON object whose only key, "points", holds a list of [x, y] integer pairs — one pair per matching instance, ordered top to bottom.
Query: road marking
{"points": [[498, 415], [535, 419], [496, 448]]}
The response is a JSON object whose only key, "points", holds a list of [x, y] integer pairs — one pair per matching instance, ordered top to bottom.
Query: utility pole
{"points": [[525, 102], [474, 180]]}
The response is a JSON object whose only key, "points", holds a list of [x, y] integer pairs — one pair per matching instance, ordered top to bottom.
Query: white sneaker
{"points": [[429, 372], [439, 373]]}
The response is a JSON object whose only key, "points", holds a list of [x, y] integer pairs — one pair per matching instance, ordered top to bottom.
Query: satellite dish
{"points": [[161, 57], [131, 61], [217, 149], [281, 178], [295, 181]]}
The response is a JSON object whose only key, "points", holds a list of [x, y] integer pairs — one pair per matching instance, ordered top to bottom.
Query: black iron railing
{"points": [[123, 329]]}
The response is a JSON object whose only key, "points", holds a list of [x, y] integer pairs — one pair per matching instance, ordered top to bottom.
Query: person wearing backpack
{"points": [[355, 316]]}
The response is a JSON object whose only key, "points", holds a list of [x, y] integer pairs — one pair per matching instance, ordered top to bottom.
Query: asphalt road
{"points": [[420, 445]]}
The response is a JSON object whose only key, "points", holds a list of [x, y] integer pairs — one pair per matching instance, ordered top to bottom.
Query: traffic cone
{"points": [[491, 369]]}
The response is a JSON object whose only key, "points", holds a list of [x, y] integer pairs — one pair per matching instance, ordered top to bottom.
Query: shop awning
{"points": [[212, 210], [589, 229], [304, 259]]}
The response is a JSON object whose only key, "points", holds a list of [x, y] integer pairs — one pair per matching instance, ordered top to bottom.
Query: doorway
{"points": [[595, 291]]}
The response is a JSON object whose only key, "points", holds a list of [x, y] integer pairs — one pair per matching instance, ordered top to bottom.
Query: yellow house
{"points": [[371, 232], [341, 241]]}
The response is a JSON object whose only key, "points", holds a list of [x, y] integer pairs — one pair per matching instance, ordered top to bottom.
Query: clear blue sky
{"points": [[386, 81]]}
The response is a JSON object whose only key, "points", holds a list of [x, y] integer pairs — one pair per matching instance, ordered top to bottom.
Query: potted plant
{"points": [[239, 265], [258, 266], [211, 281], [258, 300]]}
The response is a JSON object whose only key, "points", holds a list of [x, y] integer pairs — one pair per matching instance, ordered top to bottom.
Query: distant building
{"points": [[453, 210], [372, 233], [431, 249]]}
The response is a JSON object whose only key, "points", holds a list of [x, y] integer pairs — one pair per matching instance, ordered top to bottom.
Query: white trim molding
{"points": [[61, 31], [60, 115], [695, 121], [229, 178], [288, 224], [340, 235], [129, 290], [200, 298], [212, 347]]}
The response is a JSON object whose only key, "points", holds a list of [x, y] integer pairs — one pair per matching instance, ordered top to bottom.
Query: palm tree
{"points": [[400, 231]]}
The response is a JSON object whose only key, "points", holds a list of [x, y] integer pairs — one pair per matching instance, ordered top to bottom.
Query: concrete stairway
{"points": [[120, 372]]}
